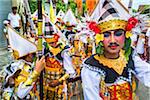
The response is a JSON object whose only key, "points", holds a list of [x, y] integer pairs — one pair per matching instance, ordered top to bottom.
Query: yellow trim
{"points": [[112, 25], [40, 33], [128, 34], [50, 39], [55, 51], [15, 54], [20, 56], [116, 64], [53, 69], [32, 78], [63, 78]]}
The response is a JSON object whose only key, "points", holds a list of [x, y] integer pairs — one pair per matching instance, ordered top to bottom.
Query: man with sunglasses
{"points": [[109, 74]]}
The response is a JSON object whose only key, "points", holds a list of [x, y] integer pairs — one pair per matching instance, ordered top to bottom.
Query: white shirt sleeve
{"points": [[9, 16], [67, 62], [142, 69], [90, 84], [23, 90]]}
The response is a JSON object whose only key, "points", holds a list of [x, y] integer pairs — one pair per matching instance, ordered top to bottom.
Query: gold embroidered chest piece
{"points": [[116, 64]]}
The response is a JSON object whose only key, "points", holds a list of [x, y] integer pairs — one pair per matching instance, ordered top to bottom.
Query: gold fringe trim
{"points": [[116, 64]]}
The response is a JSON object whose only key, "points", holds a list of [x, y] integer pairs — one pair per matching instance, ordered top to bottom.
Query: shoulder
{"points": [[9, 15], [65, 51], [60, 55], [92, 61], [92, 64], [10, 69], [88, 74]]}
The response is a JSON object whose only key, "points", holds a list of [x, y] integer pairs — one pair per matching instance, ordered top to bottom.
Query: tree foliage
{"points": [[33, 5], [60, 6]]}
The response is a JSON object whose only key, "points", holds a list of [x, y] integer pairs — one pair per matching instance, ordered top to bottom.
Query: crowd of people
{"points": [[87, 61]]}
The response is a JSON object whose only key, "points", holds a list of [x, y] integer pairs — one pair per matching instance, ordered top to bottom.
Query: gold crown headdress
{"points": [[111, 19], [112, 25]]}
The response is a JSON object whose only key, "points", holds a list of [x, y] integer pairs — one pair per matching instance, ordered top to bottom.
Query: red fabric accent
{"points": [[131, 23], [94, 27], [56, 37], [52, 63], [115, 91], [119, 92], [130, 92], [101, 95]]}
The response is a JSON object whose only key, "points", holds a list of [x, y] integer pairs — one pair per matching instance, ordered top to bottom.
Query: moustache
{"points": [[113, 44]]}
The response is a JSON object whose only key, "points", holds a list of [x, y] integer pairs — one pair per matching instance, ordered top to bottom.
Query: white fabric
{"points": [[65, 1], [121, 10], [96, 13], [60, 14], [69, 17], [14, 19], [5, 22], [136, 30], [148, 34], [134, 37], [83, 38], [22, 45], [140, 46], [67, 63], [14, 67], [142, 69], [91, 79], [90, 84], [9, 91], [23, 91]]}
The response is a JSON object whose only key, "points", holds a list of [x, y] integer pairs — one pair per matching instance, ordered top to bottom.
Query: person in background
{"points": [[15, 19], [22, 72]]}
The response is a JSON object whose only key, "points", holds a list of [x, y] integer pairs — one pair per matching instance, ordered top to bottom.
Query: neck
{"points": [[111, 55]]}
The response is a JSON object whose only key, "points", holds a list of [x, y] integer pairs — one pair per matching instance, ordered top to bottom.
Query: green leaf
{"points": [[99, 48], [127, 48]]}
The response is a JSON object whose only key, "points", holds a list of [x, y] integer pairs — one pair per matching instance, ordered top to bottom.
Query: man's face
{"points": [[14, 10], [114, 41], [30, 57]]}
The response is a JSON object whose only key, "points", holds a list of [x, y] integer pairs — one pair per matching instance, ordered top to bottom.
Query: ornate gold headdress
{"points": [[111, 18], [112, 25]]}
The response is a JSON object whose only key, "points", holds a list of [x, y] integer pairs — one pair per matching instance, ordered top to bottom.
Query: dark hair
{"points": [[14, 8]]}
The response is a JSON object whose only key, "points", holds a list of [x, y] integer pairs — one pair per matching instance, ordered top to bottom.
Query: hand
{"points": [[40, 64], [11, 79], [10, 82], [54, 83]]}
